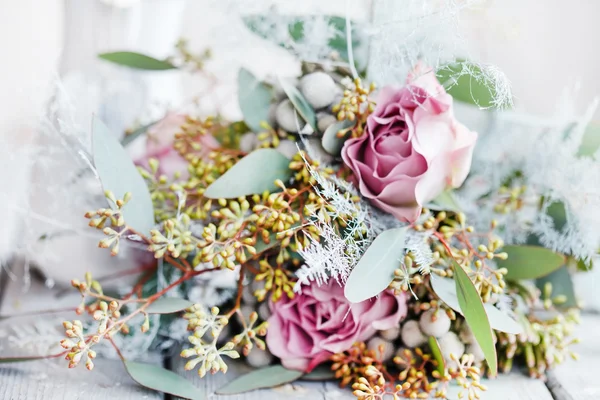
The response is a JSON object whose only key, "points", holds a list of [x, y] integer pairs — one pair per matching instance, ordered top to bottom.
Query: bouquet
{"points": [[369, 235]]}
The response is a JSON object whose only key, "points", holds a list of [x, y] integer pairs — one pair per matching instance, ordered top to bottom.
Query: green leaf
{"points": [[137, 61], [468, 88], [254, 98], [300, 104], [137, 133], [590, 141], [331, 142], [118, 174], [253, 174], [445, 201], [529, 262], [375, 270], [562, 285], [445, 289], [168, 305], [475, 315], [437, 354], [321, 373], [267, 377], [162, 380]]}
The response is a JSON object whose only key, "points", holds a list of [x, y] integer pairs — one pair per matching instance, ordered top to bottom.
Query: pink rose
{"points": [[159, 145], [412, 149], [305, 331]]}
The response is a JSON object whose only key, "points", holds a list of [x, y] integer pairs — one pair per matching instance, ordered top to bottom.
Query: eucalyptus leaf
{"points": [[137, 61], [468, 88], [254, 98], [300, 104], [130, 137], [590, 143], [333, 144], [118, 174], [253, 174], [445, 201], [529, 262], [375, 270], [562, 285], [445, 289], [168, 305], [475, 315], [437, 354], [321, 373], [267, 377], [163, 380]]}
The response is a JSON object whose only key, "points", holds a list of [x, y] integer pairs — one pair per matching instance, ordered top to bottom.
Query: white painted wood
{"points": [[38, 335], [578, 380]]}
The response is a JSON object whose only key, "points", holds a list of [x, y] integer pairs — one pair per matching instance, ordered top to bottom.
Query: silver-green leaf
{"points": [[137, 61], [254, 98], [300, 104], [333, 144], [118, 174], [253, 174], [445, 201], [529, 262], [375, 270], [445, 289], [168, 305], [475, 315], [267, 377], [163, 380]]}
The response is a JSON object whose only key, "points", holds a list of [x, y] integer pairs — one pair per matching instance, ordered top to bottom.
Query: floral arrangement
{"points": [[367, 240]]}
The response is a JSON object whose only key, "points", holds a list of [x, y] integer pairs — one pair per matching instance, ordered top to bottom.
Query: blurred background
{"points": [[547, 51]]}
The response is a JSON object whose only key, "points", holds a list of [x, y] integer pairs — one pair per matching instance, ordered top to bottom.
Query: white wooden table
{"points": [[50, 379]]}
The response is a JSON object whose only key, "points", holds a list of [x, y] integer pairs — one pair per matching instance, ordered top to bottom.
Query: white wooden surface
{"points": [[51, 379]]}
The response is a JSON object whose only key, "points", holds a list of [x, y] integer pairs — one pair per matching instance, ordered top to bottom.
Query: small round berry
{"points": [[318, 88], [287, 117], [324, 121], [248, 142], [287, 148], [434, 322], [390, 334], [412, 335], [451, 344], [388, 348], [475, 349], [258, 358]]}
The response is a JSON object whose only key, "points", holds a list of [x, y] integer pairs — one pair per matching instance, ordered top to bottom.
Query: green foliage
{"points": [[137, 61], [471, 88], [254, 98], [300, 104], [331, 142], [253, 174], [119, 175], [445, 201], [529, 262], [375, 270], [561, 285], [445, 289], [168, 305], [475, 315], [437, 354], [259, 379], [162, 380]]}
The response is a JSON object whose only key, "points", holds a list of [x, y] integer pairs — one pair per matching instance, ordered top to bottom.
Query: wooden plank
{"points": [[37, 335], [578, 380], [506, 387]]}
